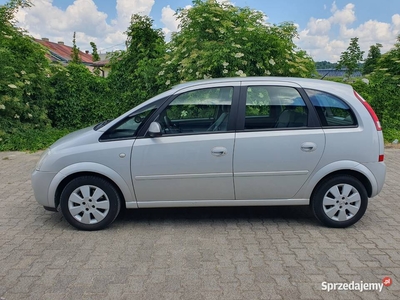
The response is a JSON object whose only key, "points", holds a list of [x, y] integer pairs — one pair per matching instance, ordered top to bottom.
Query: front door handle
{"points": [[308, 147], [218, 151]]}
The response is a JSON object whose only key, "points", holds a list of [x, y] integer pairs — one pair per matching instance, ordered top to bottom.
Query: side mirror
{"points": [[154, 129]]}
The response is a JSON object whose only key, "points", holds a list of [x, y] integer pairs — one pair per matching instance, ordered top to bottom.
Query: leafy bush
{"points": [[384, 95], [80, 98], [26, 138]]}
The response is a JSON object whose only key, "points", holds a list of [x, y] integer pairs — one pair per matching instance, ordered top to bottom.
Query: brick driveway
{"points": [[206, 253]]}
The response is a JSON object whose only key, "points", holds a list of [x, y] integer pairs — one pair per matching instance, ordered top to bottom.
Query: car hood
{"points": [[77, 138]]}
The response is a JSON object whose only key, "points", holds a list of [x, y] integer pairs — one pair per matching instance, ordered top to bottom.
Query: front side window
{"points": [[274, 107], [204, 110], [332, 111], [129, 127]]}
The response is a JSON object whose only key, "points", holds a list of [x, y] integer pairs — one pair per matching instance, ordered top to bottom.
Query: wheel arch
{"points": [[351, 168], [71, 172], [361, 177], [66, 180]]}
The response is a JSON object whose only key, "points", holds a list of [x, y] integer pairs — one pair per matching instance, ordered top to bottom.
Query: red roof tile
{"points": [[64, 51]]}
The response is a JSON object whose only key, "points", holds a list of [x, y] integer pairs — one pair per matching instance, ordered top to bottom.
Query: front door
{"points": [[191, 163]]}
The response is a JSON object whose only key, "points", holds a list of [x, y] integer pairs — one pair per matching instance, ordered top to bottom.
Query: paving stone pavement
{"points": [[197, 253]]}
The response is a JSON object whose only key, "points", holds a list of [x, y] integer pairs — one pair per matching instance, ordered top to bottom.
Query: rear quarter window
{"points": [[332, 111]]}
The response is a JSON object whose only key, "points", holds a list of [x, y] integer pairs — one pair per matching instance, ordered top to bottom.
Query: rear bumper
{"points": [[378, 169]]}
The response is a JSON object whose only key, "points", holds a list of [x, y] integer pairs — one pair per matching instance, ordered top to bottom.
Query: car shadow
{"points": [[275, 214]]}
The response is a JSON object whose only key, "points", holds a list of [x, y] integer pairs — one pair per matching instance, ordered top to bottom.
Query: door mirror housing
{"points": [[154, 129]]}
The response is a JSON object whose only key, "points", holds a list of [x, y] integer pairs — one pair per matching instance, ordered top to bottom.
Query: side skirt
{"points": [[203, 203]]}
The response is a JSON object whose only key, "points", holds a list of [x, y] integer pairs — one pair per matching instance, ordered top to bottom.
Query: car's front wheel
{"points": [[339, 201], [90, 203]]}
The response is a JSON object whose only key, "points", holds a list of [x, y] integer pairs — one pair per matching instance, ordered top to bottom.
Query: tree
{"points": [[8, 11], [222, 40], [95, 54], [95, 57], [75, 58], [351, 58], [390, 61], [371, 62], [325, 65], [24, 70], [133, 74]]}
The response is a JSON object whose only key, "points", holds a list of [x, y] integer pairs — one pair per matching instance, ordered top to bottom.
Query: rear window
{"points": [[332, 111]]}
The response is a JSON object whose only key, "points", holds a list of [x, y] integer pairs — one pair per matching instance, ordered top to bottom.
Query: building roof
{"points": [[61, 52], [101, 63]]}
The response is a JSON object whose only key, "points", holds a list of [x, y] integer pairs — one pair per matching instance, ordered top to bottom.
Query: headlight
{"points": [[42, 158]]}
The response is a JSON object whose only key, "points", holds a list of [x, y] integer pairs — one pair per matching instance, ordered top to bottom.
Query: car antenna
{"points": [[325, 74]]}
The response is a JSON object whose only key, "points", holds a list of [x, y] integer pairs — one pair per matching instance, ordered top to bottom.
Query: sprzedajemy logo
{"points": [[356, 286]]}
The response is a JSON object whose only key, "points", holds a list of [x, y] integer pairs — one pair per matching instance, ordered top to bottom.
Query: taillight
{"points": [[370, 110], [381, 158]]}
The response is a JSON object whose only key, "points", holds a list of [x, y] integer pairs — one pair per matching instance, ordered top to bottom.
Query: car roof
{"points": [[303, 82]]}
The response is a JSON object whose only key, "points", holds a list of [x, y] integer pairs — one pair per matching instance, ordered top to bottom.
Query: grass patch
{"points": [[31, 139]]}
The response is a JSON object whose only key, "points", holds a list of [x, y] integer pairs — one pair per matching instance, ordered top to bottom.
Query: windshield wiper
{"points": [[101, 124]]}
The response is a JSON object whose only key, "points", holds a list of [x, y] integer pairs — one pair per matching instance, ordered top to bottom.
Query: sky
{"points": [[324, 26]]}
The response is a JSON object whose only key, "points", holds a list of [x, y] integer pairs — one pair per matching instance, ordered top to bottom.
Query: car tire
{"points": [[339, 201], [90, 203]]}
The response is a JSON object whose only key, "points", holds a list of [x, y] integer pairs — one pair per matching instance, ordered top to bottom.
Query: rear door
{"points": [[278, 143]]}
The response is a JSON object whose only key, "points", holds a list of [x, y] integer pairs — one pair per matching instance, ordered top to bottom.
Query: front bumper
{"points": [[41, 183]]}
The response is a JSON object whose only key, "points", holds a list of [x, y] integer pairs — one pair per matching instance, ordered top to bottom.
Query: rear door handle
{"points": [[308, 147], [218, 151]]}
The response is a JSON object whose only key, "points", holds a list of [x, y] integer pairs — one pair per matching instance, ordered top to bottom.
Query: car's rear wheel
{"points": [[339, 201], [90, 203]]}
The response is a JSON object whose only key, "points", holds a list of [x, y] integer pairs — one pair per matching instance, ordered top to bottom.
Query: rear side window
{"points": [[270, 107], [332, 111]]}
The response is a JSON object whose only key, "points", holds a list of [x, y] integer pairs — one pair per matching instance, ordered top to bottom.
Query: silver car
{"points": [[255, 141]]}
